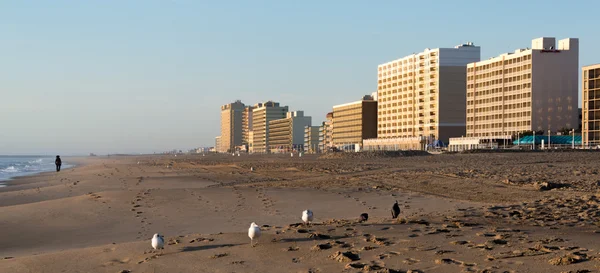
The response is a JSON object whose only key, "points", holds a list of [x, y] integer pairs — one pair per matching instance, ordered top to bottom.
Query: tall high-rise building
{"points": [[529, 90], [423, 94], [261, 115], [354, 122], [246, 124], [590, 124], [231, 126], [287, 134]]}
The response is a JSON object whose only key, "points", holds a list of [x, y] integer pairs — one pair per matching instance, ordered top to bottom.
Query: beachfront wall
{"points": [[554, 140], [396, 144], [458, 144]]}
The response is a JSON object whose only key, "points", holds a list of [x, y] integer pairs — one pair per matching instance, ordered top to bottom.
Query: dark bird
{"points": [[395, 210], [364, 217]]}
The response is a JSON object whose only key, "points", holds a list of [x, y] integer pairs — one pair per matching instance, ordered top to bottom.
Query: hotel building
{"points": [[529, 90], [423, 95], [591, 106], [261, 115], [354, 122], [246, 124], [231, 126], [287, 134], [311, 139], [218, 144]]}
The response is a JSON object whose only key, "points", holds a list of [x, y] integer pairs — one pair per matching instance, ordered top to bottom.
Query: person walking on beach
{"points": [[58, 162]]}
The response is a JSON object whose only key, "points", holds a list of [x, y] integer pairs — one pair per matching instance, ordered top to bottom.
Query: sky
{"points": [[149, 76]]}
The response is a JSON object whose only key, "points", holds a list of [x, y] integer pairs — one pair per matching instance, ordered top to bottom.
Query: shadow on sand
{"points": [[291, 240], [206, 247]]}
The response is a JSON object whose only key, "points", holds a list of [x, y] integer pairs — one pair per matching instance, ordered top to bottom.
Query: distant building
{"points": [[529, 90], [423, 95], [591, 105], [262, 114], [354, 122], [246, 124], [231, 126], [327, 132], [287, 134], [311, 139], [250, 141], [218, 145]]}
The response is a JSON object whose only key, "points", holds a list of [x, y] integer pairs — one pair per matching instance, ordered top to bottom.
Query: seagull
{"points": [[292, 154], [251, 169], [395, 210], [307, 216], [363, 217], [253, 232], [158, 241]]}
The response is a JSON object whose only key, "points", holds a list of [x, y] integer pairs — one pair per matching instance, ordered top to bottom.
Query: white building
{"points": [[529, 90]]}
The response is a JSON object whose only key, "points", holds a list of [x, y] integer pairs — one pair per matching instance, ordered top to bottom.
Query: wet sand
{"points": [[509, 212]]}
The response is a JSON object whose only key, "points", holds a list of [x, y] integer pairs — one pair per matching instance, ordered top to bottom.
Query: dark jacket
{"points": [[58, 161]]}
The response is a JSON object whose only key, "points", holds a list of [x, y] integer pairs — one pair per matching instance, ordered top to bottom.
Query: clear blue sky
{"points": [[142, 76]]}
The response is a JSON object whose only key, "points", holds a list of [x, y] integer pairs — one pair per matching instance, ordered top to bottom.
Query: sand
{"points": [[493, 212]]}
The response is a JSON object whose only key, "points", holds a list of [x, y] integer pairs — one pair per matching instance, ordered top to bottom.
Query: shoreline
{"points": [[27, 178]]}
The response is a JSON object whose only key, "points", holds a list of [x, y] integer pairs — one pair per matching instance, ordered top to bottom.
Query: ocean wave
{"points": [[39, 160], [9, 169]]}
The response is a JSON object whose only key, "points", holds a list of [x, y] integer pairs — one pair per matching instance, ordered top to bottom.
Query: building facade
{"points": [[528, 90], [423, 94], [262, 114], [354, 122], [246, 124], [590, 124], [231, 126], [328, 131], [287, 134], [311, 139], [399, 143], [218, 144]]}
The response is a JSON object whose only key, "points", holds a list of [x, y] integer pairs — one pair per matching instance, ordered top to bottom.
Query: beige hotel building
{"points": [[528, 90], [423, 95], [262, 114], [354, 122], [247, 124], [231, 126], [590, 126], [287, 134]]}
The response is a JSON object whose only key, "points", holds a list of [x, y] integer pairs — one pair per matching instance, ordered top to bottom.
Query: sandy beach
{"points": [[479, 212]]}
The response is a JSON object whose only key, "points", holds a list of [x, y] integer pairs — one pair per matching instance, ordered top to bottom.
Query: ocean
{"points": [[13, 166]]}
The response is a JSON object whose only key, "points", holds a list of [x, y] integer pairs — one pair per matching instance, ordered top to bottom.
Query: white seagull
{"points": [[307, 216], [253, 233], [158, 241]]}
